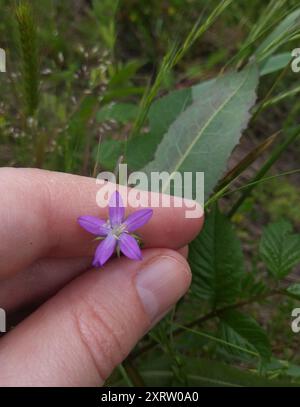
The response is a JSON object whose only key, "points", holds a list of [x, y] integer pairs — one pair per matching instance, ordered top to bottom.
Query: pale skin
{"points": [[84, 321]]}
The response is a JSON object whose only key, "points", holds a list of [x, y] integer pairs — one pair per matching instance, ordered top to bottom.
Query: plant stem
{"points": [[269, 93], [40, 141], [277, 152], [231, 176], [133, 374], [125, 376]]}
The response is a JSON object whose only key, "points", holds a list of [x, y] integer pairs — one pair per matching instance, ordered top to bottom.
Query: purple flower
{"points": [[116, 232]]}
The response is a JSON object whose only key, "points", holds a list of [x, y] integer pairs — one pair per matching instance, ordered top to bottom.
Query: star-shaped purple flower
{"points": [[116, 232]]}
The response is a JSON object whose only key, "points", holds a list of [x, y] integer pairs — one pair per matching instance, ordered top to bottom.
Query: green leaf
{"points": [[275, 63], [200, 88], [121, 112], [163, 112], [203, 136], [141, 150], [108, 153], [280, 248], [217, 261], [251, 286], [294, 291], [243, 331], [202, 372], [206, 373]]}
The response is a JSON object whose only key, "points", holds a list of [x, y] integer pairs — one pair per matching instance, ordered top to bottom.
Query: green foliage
{"points": [[104, 12], [283, 33], [29, 56], [173, 57], [276, 63], [120, 112], [162, 113], [75, 135], [292, 135], [203, 136], [108, 152], [280, 198], [280, 248], [216, 261], [294, 291], [243, 331], [204, 373]]}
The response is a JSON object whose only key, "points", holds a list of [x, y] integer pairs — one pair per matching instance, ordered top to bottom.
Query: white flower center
{"points": [[118, 230]]}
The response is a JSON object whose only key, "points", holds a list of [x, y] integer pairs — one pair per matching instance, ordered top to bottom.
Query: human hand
{"points": [[89, 320]]}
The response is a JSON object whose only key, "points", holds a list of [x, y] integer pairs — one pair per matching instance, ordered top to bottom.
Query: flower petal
{"points": [[116, 209], [138, 219], [93, 225], [128, 246], [105, 250]]}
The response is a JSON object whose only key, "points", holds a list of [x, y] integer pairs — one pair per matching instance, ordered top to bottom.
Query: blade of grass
{"points": [[266, 16], [269, 20], [29, 56], [275, 83], [276, 99], [276, 154], [233, 174], [265, 179], [218, 340], [133, 374], [125, 376]]}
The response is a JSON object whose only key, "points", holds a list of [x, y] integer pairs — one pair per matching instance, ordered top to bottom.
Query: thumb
{"points": [[80, 335]]}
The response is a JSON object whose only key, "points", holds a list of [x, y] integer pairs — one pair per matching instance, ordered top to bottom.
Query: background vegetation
{"points": [[93, 82]]}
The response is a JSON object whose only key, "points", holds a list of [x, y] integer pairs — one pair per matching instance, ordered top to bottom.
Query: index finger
{"points": [[39, 211]]}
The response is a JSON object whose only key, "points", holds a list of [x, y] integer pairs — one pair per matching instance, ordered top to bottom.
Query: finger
{"points": [[39, 211], [184, 251], [39, 282], [21, 293], [79, 336]]}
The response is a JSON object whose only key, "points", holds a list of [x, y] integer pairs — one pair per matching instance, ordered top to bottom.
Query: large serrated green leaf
{"points": [[203, 136], [280, 248], [217, 261], [243, 331]]}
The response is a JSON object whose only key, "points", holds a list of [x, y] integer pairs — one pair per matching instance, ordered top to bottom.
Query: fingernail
{"points": [[161, 283]]}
